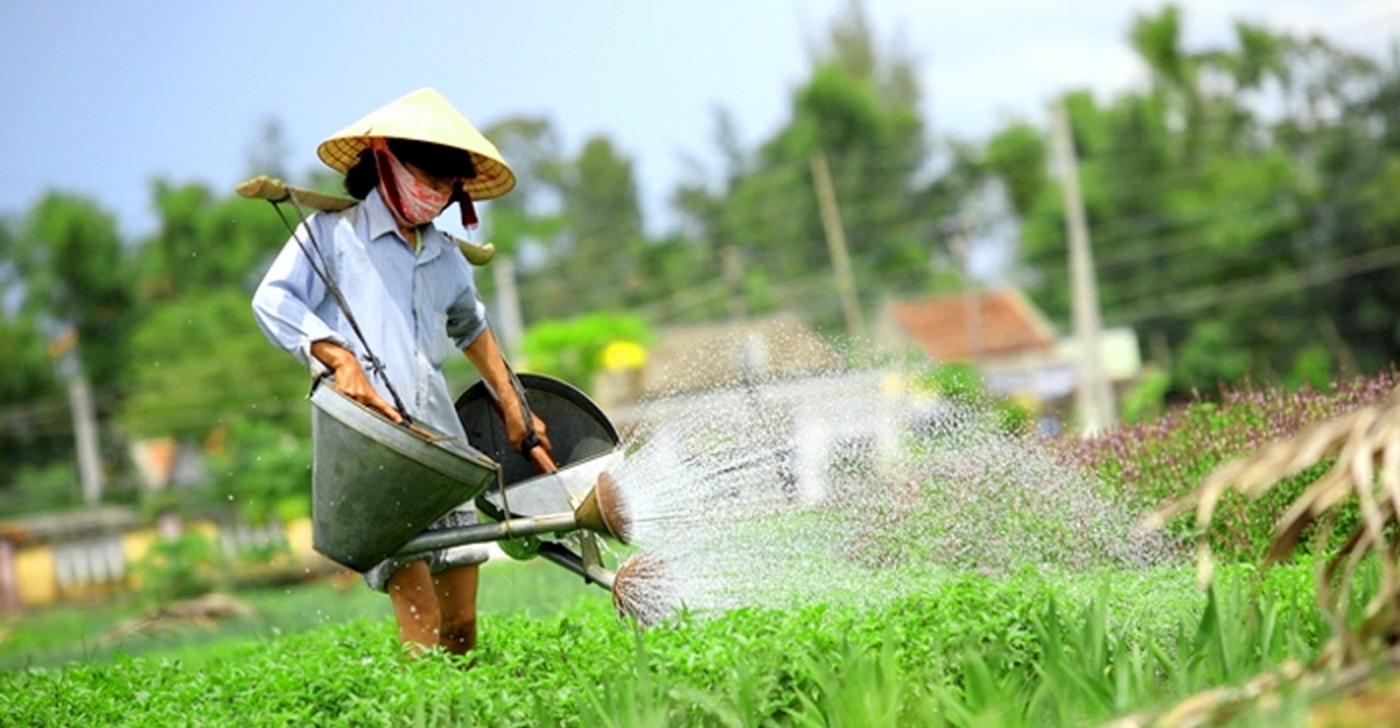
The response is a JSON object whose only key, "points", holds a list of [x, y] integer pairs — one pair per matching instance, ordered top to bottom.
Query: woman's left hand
{"points": [[517, 432]]}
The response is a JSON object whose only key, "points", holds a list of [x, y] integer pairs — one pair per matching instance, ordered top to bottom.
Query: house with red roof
{"points": [[1006, 337]]}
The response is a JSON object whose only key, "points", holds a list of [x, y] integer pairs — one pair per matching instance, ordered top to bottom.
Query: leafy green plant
{"points": [[572, 349], [961, 383], [1163, 459], [264, 471], [41, 488], [179, 567], [1031, 649]]}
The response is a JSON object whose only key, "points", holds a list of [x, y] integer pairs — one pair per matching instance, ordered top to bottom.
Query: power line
{"points": [[1262, 287]]}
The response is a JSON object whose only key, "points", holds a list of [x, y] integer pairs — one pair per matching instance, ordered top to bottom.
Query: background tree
{"points": [[859, 109], [1214, 217], [528, 222], [206, 242], [594, 263], [75, 275], [67, 300], [34, 424]]}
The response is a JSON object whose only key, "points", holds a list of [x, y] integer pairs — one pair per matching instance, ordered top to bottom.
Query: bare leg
{"points": [[456, 597], [415, 606]]}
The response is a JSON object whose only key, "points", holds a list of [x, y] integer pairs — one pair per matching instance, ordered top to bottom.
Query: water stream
{"points": [[848, 488]]}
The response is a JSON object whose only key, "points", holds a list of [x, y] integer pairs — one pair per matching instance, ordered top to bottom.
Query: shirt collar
{"points": [[381, 222]]}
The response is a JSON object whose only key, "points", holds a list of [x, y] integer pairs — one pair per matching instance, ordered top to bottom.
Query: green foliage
{"points": [[860, 109], [1016, 155], [593, 229], [1233, 238], [207, 243], [76, 274], [162, 329], [572, 350], [1211, 356], [199, 360], [1312, 367], [29, 372], [959, 382], [1147, 398], [33, 402], [1014, 418], [1158, 460], [264, 471], [39, 488], [178, 568], [65, 633], [1033, 650]]}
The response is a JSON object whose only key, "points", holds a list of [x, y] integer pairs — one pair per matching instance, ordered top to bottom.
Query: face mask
{"points": [[412, 201]]}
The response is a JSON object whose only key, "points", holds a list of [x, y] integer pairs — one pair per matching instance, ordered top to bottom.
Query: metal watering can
{"points": [[376, 485]]}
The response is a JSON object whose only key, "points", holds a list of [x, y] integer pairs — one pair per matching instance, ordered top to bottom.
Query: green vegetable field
{"points": [[1112, 644], [1030, 649]]}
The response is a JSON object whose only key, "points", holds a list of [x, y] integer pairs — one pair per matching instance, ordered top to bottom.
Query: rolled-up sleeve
{"points": [[285, 304], [466, 318]]}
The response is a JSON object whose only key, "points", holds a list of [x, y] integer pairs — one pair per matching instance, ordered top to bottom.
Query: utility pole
{"points": [[836, 244], [732, 262], [512, 328], [65, 350], [1093, 397]]}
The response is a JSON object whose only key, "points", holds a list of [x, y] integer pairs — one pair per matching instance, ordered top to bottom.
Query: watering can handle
{"points": [[539, 455]]}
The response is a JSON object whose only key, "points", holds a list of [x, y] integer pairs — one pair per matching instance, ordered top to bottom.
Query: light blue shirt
{"points": [[413, 309]]}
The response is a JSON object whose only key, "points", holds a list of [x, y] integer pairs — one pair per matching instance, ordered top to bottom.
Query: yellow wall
{"points": [[299, 539], [135, 544], [34, 568], [38, 583]]}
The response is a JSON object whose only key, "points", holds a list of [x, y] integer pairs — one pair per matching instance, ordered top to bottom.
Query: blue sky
{"points": [[102, 98]]}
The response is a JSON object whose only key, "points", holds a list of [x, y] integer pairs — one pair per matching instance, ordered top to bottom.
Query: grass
{"points": [[63, 634], [1028, 649]]}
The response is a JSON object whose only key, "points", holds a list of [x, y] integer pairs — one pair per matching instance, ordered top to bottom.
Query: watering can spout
{"points": [[604, 511], [640, 590]]}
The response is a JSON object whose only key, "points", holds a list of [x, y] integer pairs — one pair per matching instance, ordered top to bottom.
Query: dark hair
{"points": [[435, 159], [362, 177]]}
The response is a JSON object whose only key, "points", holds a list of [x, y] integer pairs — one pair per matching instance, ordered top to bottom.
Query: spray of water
{"points": [[846, 488]]}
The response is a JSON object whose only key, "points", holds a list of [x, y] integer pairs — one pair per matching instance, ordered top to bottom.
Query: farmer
{"points": [[411, 292]]}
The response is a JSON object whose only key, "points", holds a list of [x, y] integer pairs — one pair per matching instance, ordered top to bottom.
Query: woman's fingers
{"points": [[356, 387], [384, 408]]}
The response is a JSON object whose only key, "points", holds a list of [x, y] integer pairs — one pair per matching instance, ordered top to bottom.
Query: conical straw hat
{"points": [[424, 116]]}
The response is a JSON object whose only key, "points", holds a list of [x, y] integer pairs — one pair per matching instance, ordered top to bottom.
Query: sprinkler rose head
{"points": [[603, 510], [642, 589]]}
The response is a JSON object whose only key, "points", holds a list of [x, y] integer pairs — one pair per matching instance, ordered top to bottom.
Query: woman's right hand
{"points": [[350, 378]]}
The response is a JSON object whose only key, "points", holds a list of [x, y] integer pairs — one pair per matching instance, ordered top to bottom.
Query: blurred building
{"points": [[1008, 339], [701, 357], [775, 389]]}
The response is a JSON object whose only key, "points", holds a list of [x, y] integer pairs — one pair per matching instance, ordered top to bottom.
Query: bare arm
{"points": [[485, 355], [350, 377]]}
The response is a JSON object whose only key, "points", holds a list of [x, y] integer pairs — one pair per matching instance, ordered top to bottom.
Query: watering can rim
{"points": [[553, 385], [401, 439]]}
